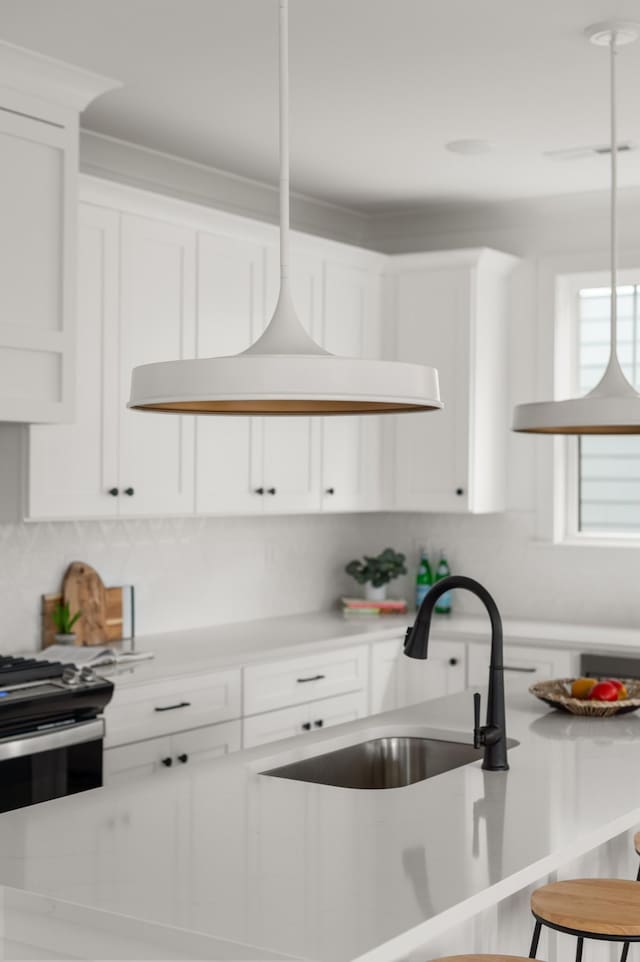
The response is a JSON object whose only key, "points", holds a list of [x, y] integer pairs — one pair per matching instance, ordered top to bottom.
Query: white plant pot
{"points": [[375, 594], [66, 639]]}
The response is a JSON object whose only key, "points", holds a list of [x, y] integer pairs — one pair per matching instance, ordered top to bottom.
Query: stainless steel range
{"points": [[51, 730]]}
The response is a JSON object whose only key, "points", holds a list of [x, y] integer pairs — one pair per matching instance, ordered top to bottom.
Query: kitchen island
{"points": [[221, 852]]}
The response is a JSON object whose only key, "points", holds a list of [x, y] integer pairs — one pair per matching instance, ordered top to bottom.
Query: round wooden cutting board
{"points": [[83, 589]]}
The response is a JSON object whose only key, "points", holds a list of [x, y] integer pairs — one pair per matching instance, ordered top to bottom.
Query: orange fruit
{"points": [[581, 687], [622, 693]]}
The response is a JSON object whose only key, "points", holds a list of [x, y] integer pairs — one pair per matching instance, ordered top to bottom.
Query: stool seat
{"points": [[636, 842], [590, 906], [482, 958]]}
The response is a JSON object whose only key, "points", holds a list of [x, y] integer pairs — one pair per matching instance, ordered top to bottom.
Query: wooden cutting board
{"points": [[83, 590]]}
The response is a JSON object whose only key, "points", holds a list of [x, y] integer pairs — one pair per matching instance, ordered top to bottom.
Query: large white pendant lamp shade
{"points": [[284, 372], [613, 406]]}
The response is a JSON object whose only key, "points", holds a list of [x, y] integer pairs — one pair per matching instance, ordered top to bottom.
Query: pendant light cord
{"points": [[284, 141], [614, 191]]}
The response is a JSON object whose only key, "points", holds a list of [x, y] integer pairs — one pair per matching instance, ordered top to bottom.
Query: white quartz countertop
{"points": [[222, 646], [330, 874]]}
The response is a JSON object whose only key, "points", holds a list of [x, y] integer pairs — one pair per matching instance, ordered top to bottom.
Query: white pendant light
{"points": [[284, 372], [613, 406]]}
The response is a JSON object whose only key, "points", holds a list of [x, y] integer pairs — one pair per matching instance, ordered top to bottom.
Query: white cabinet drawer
{"points": [[523, 665], [278, 684], [147, 711], [288, 722]]}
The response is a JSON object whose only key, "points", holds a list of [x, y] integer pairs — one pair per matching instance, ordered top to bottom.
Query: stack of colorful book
{"points": [[361, 606]]}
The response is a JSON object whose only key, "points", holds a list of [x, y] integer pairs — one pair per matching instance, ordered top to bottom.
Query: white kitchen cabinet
{"points": [[40, 102], [449, 311], [157, 323], [351, 446], [56, 489], [523, 665], [290, 681], [398, 681], [171, 705], [288, 722], [163, 754]]}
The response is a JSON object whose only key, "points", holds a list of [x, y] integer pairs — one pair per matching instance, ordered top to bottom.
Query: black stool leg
{"points": [[638, 875], [535, 940], [579, 949], [625, 949]]}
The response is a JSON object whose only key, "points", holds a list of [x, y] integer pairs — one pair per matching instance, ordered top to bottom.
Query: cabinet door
{"points": [[37, 263], [432, 309], [231, 314], [157, 324], [291, 446], [351, 446], [73, 467], [397, 681], [301, 719], [206, 744], [139, 758]]}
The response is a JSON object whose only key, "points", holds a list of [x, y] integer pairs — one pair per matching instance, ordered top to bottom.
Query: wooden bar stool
{"points": [[589, 908], [481, 958]]}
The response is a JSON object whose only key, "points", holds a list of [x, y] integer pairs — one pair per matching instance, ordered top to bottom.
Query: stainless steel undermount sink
{"points": [[389, 762]]}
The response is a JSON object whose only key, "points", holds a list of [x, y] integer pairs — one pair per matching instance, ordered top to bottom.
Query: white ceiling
{"points": [[378, 88]]}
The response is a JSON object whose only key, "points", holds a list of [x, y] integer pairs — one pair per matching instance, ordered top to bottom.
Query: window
{"points": [[608, 476]]}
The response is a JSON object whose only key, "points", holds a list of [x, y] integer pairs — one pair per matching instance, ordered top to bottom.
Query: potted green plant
{"points": [[376, 573], [64, 622]]}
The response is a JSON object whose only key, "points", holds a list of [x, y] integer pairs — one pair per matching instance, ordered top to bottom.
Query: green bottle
{"points": [[424, 578], [443, 604]]}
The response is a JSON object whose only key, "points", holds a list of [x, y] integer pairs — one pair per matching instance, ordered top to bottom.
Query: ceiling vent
{"points": [[577, 153]]}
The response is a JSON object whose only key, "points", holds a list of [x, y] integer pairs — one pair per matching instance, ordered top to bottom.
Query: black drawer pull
{"points": [[259, 490], [271, 490], [129, 491], [330, 491], [113, 492], [459, 492], [453, 662], [525, 671], [301, 681], [182, 704], [319, 723], [306, 726], [184, 758], [167, 762]]}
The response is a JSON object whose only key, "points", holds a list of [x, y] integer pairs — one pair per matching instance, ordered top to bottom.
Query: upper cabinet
{"points": [[40, 101], [159, 279], [449, 310]]}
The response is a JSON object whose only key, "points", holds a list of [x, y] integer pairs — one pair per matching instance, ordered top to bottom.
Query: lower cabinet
{"points": [[523, 665], [397, 682], [287, 722], [182, 748]]}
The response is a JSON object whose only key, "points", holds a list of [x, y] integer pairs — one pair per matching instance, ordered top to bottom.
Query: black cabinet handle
{"points": [[259, 490], [271, 490], [129, 491], [330, 491], [459, 491], [113, 492], [453, 662], [525, 671], [301, 681], [181, 704], [319, 723], [306, 726], [184, 758], [167, 762]]}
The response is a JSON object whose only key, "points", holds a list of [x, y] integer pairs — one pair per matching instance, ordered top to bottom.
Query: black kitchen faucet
{"points": [[493, 735]]}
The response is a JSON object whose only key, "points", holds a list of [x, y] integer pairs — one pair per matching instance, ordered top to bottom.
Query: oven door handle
{"points": [[51, 739]]}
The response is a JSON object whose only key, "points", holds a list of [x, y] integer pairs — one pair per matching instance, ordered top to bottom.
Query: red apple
{"points": [[616, 682], [603, 691]]}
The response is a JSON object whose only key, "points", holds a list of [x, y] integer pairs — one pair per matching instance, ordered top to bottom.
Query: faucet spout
{"points": [[493, 735]]}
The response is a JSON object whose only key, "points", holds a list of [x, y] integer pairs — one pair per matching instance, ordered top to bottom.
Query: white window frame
{"points": [[558, 462]]}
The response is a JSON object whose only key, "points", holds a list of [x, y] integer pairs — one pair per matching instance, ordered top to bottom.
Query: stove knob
{"points": [[87, 674], [70, 677]]}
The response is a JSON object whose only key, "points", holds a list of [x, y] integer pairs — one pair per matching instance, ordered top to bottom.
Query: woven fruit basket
{"points": [[557, 694]]}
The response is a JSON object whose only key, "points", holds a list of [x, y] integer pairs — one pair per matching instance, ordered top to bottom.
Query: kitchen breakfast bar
{"points": [[220, 861]]}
